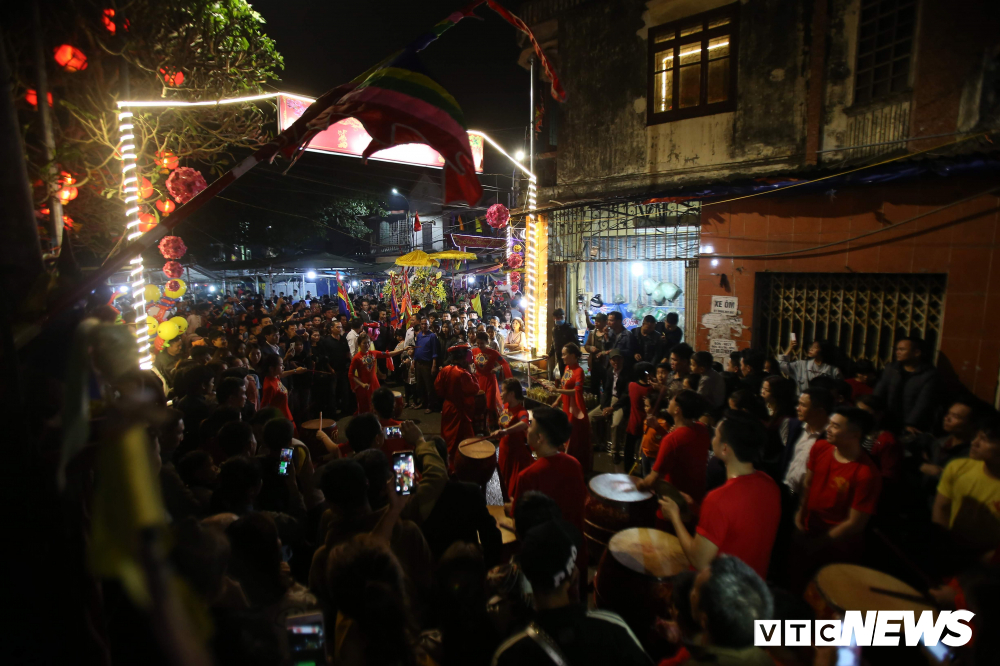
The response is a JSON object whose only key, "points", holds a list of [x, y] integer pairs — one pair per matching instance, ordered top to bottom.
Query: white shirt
{"points": [[410, 339], [352, 342], [614, 383], [797, 469]]}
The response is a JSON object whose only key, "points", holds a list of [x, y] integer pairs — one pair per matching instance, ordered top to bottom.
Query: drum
{"points": [[397, 408], [479, 424], [308, 431], [476, 461], [614, 504], [634, 579], [842, 587]]}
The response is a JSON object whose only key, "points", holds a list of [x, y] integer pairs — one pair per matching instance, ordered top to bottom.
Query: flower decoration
{"points": [[172, 76], [185, 183], [497, 216], [172, 247], [518, 248], [515, 260], [173, 269], [175, 288]]}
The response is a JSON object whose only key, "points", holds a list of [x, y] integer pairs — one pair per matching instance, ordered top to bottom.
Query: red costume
{"points": [[486, 361], [363, 367], [457, 387], [576, 409], [515, 454]]}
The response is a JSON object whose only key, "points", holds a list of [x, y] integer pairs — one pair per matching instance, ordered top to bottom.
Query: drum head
{"points": [[397, 394], [315, 424], [477, 450], [618, 488], [648, 552], [849, 587]]}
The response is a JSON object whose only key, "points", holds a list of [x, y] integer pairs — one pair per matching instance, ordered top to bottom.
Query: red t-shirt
{"points": [[858, 388], [276, 395], [637, 407], [887, 454], [683, 459], [560, 477], [838, 487], [741, 518]]}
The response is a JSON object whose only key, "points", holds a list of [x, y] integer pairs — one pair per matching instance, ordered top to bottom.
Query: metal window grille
{"points": [[885, 48], [629, 231], [863, 314]]}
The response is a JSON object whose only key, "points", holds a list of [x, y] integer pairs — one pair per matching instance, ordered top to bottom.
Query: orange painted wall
{"points": [[959, 241]]}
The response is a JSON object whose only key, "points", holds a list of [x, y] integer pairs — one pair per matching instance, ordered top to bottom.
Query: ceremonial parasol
{"points": [[452, 254], [416, 258]]}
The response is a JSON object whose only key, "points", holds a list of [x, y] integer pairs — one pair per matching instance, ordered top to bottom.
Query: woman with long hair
{"points": [[515, 339], [362, 373], [573, 404]]}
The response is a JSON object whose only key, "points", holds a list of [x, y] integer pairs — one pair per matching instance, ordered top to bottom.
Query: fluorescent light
{"points": [[519, 156], [707, 249], [638, 268], [311, 275], [354, 284], [123, 289], [212, 289]]}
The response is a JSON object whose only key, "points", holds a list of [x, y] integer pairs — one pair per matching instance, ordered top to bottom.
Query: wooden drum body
{"points": [[398, 405], [308, 432], [476, 461], [614, 504], [634, 579], [837, 588]]}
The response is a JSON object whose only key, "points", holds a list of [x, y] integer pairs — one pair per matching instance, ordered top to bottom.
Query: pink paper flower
{"points": [[185, 183], [497, 216], [172, 247], [173, 269], [173, 286]]}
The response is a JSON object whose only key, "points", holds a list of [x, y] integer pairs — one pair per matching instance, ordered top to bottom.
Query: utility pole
{"points": [[48, 138]]}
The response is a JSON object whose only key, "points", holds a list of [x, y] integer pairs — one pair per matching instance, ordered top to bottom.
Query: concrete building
{"points": [[822, 167]]}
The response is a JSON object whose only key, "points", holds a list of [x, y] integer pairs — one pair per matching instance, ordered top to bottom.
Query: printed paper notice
{"points": [[727, 305], [721, 346]]}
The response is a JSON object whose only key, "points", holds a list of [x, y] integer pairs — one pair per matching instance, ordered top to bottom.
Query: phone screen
{"points": [[793, 337], [393, 432], [285, 461], [405, 470], [305, 638], [940, 653]]}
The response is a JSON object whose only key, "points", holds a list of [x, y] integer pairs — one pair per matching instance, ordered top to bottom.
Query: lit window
{"points": [[885, 47], [691, 70]]}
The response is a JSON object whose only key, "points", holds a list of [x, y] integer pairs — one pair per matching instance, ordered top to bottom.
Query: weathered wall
{"points": [[605, 145], [959, 241]]}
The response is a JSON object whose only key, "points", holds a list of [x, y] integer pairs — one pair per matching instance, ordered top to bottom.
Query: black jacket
{"points": [[562, 335], [624, 379], [911, 397], [460, 514]]}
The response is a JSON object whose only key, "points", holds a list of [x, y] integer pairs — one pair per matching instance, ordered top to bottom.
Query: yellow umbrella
{"points": [[453, 254], [416, 258]]}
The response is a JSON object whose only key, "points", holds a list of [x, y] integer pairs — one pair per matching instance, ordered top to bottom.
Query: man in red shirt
{"points": [[683, 455], [556, 474], [839, 494], [740, 517]]}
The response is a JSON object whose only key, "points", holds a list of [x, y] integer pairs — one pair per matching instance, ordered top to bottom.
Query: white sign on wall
{"points": [[727, 305], [721, 347]]}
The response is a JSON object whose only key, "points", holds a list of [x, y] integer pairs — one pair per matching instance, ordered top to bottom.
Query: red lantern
{"points": [[109, 21], [70, 58], [172, 77], [31, 97], [166, 160], [67, 178], [146, 189], [67, 194], [166, 206], [147, 221], [67, 222]]}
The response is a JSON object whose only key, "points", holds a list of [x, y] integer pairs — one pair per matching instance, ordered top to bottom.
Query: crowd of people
{"points": [[780, 466]]}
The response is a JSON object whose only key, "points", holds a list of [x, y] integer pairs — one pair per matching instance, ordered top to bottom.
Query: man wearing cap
{"points": [[609, 418], [563, 630]]}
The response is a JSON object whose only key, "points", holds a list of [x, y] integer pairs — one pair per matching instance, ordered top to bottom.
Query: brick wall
{"points": [[959, 241]]}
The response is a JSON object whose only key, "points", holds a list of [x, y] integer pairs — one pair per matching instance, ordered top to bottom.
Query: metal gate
{"points": [[863, 314]]}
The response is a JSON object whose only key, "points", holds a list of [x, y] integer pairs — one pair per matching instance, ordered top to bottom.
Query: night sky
{"points": [[328, 43]]}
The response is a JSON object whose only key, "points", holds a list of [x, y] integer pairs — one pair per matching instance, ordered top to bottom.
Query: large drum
{"points": [[398, 405], [308, 431], [476, 461], [614, 504], [634, 580], [842, 587]]}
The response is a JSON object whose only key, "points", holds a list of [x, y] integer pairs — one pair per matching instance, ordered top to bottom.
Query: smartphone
{"points": [[793, 337], [393, 432], [285, 461], [405, 470], [306, 638]]}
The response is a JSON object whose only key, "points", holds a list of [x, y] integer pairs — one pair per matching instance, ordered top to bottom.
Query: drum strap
{"points": [[548, 645]]}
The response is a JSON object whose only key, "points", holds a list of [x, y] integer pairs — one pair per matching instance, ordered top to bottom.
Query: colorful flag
{"points": [[398, 102], [416, 224], [479, 225], [461, 227], [343, 300], [406, 305], [477, 305], [393, 309]]}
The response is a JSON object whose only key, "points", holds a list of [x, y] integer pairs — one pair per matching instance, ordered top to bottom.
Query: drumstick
{"points": [[475, 441], [903, 595]]}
